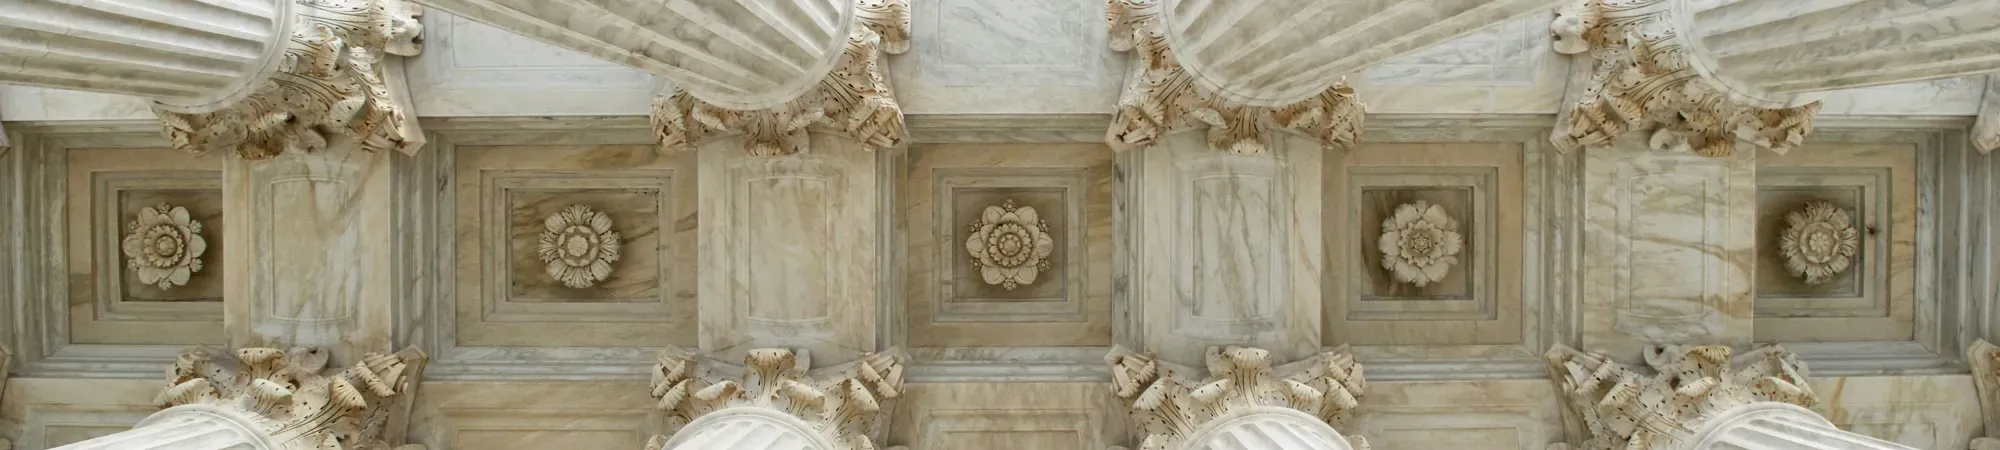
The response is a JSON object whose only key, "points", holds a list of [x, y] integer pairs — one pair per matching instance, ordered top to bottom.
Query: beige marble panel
{"points": [[946, 187], [1226, 247], [1668, 248], [789, 249], [313, 267], [505, 297], [1479, 302], [108, 305], [1881, 306], [1928, 412], [41, 413], [1496, 415], [532, 416], [1008, 416]]}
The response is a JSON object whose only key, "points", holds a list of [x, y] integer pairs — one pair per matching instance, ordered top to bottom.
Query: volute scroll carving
{"points": [[302, 404], [1608, 406]]}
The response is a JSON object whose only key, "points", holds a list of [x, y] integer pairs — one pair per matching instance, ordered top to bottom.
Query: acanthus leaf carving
{"points": [[1642, 80], [335, 82], [855, 98], [1161, 98], [1984, 358], [297, 400], [846, 406], [1608, 406], [1170, 412]]}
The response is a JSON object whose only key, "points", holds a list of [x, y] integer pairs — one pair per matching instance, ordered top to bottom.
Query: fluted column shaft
{"points": [[1767, 51], [1278, 52], [189, 55], [738, 55], [1780, 426], [191, 427]]}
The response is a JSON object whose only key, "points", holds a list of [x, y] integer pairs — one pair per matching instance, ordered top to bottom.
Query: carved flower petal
{"points": [[1407, 213], [180, 215], [992, 215], [1027, 216], [1436, 216], [600, 222], [556, 223], [1450, 242], [977, 243], [1391, 244], [1044, 245], [134, 246], [195, 246], [600, 270], [1436, 271], [1409, 272], [992, 274], [1024, 274], [150, 275], [179, 275]]}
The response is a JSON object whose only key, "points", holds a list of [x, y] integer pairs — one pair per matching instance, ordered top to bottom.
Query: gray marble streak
{"points": [[208, 54]]}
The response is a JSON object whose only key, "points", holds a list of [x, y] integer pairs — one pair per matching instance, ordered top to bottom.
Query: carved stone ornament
{"points": [[1642, 80], [333, 82], [855, 98], [1161, 98], [1819, 242], [1420, 243], [164, 245], [1010, 245], [579, 246], [1984, 358], [6, 359], [299, 401], [1608, 406], [844, 407], [1173, 413]]}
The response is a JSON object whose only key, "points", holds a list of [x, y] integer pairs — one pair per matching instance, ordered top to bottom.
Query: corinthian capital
{"points": [[1645, 78], [338, 79], [1162, 98], [854, 99], [1242, 394], [295, 401], [1609, 406], [842, 407]]}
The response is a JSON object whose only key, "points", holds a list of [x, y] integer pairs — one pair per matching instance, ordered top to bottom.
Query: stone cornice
{"points": [[1642, 79], [339, 80], [1161, 97], [855, 98], [297, 400], [1608, 406], [845, 407], [1172, 413]]}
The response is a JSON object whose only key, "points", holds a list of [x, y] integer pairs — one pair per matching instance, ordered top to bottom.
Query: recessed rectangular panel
{"points": [[788, 229]]}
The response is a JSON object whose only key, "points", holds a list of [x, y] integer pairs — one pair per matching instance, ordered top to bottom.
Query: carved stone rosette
{"points": [[1643, 80], [335, 81], [854, 98], [1161, 98], [1819, 242], [164, 245], [578, 245], [1242, 386], [297, 400], [1608, 406], [843, 407]]}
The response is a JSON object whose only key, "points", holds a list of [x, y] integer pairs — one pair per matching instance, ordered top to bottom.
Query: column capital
{"points": [[1646, 77], [340, 78], [1161, 97], [854, 98], [1985, 129], [1984, 359], [1307, 398], [296, 400], [1607, 405], [844, 407]]}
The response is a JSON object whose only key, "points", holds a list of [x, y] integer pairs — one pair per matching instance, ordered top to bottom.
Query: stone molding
{"points": [[340, 79], [1643, 79], [1160, 97], [855, 98], [1985, 129], [1984, 359], [1242, 385], [299, 402], [1608, 406], [844, 407]]}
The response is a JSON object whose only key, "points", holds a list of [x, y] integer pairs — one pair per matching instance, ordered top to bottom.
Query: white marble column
{"points": [[1279, 52], [188, 55], [737, 55], [1710, 73], [309, 265], [1247, 401], [775, 402], [1780, 426], [187, 427]]}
